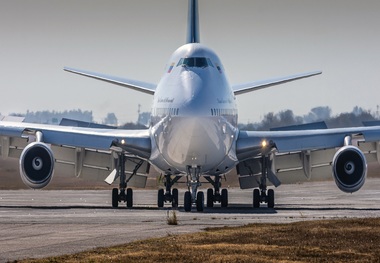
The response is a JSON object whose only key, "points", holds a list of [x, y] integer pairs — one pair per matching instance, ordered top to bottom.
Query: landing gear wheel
{"points": [[115, 197], [129, 197], [175, 197], [210, 197], [160, 198], [256, 198], [270, 198], [224, 200], [187, 201], [200, 201]]}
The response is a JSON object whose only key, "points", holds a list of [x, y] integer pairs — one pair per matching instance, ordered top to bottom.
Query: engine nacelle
{"points": [[36, 165], [349, 169]]}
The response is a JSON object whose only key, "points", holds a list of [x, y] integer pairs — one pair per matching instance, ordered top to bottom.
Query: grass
{"points": [[347, 240]]}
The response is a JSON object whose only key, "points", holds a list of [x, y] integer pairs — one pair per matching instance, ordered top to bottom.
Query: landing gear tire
{"points": [[115, 197], [129, 197], [175, 197], [210, 197], [160, 198], [224, 198], [256, 198], [270, 198], [187, 201], [200, 201]]}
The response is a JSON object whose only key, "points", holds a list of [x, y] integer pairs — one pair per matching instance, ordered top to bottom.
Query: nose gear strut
{"points": [[192, 196]]}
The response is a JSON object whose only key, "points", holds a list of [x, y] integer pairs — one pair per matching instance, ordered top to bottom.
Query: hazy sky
{"points": [[254, 39]]}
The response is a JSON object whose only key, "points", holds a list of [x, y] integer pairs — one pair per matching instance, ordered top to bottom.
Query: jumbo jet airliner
{"points": [[193, 133]]}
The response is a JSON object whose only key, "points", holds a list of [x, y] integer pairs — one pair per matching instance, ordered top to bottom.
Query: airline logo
{"points": [[171, 67]]}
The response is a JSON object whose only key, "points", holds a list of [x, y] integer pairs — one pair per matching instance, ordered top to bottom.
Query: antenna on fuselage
{"points": [[193, 22]]}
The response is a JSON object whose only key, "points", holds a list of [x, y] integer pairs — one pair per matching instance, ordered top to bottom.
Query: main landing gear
{"points": [[125, 194], [168, 195], [215, 195], [263, 195]]}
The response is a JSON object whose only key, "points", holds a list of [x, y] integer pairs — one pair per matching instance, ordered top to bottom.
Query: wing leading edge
{"points": [[262, 84], [141, 86], [136, 142], [249, 143], [295, 155]]}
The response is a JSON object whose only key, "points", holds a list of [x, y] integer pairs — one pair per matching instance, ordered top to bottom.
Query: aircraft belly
{"points": [[204, 142]]}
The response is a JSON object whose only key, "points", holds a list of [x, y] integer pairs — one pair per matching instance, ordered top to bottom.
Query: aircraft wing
{"points": [[128, 83], [253, 86], [135, 141], [289, 141], [84, 152], [298, 154]]}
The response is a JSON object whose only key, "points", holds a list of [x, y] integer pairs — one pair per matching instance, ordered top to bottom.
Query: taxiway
{"points": [[36, 224]]}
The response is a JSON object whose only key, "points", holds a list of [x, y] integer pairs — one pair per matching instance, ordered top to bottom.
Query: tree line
{"points": [[288, 118], [270, 120]]}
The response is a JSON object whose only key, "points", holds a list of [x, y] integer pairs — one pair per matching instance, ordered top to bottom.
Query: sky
{"points": [[255, 40]]}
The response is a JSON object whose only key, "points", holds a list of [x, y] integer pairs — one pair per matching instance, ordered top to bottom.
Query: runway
{"points": [[46, 223]]}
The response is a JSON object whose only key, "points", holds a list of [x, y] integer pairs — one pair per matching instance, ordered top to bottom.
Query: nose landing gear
{"points": [[192, 196]]}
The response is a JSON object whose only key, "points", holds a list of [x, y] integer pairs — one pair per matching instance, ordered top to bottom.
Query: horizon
{"points": [[316, 111]]}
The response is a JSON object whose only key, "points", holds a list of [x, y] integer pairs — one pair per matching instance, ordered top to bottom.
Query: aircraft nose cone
{"points": [[194, 141]]}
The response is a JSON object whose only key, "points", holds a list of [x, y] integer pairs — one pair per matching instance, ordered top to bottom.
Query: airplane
{"points": [[193, 133]]}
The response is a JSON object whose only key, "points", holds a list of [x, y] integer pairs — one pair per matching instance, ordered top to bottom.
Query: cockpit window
{"points": [[197, 62]]}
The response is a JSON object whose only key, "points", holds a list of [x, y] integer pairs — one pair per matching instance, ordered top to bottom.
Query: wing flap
{"points": [[12, 146], [371, 150], [297, 160], [95, 165], [298, 176]]}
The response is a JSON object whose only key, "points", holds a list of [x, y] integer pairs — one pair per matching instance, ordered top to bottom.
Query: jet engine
{"points": [[36, 165], [349, 169]]}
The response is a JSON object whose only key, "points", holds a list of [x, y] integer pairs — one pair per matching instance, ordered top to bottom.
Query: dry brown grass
{"points": [[347, 240]]}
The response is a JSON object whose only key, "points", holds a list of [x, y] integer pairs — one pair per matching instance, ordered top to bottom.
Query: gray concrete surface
{"points": [[46, 223]]}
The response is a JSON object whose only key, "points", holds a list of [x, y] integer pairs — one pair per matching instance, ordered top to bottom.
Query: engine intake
{"points": [[36, 165], [349, 169]]}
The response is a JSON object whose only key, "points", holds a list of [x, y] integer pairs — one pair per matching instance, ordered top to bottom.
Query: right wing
{"points": [[128, 83]]}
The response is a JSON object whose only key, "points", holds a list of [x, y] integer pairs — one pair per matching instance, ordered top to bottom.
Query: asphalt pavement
{"points": [[41, 223]]}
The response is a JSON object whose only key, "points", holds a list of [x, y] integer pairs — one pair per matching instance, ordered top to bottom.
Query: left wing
{"points": [[253, 86], [288, 141], [346, 150]]}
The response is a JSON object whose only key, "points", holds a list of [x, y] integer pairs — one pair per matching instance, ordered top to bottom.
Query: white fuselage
{"points": [[194, 114]]}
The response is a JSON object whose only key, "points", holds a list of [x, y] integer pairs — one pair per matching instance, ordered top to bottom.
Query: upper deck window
{"points": [[197, 62]]}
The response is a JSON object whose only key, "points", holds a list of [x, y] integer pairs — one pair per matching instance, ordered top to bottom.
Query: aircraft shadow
{"points": [[233, 209]]}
